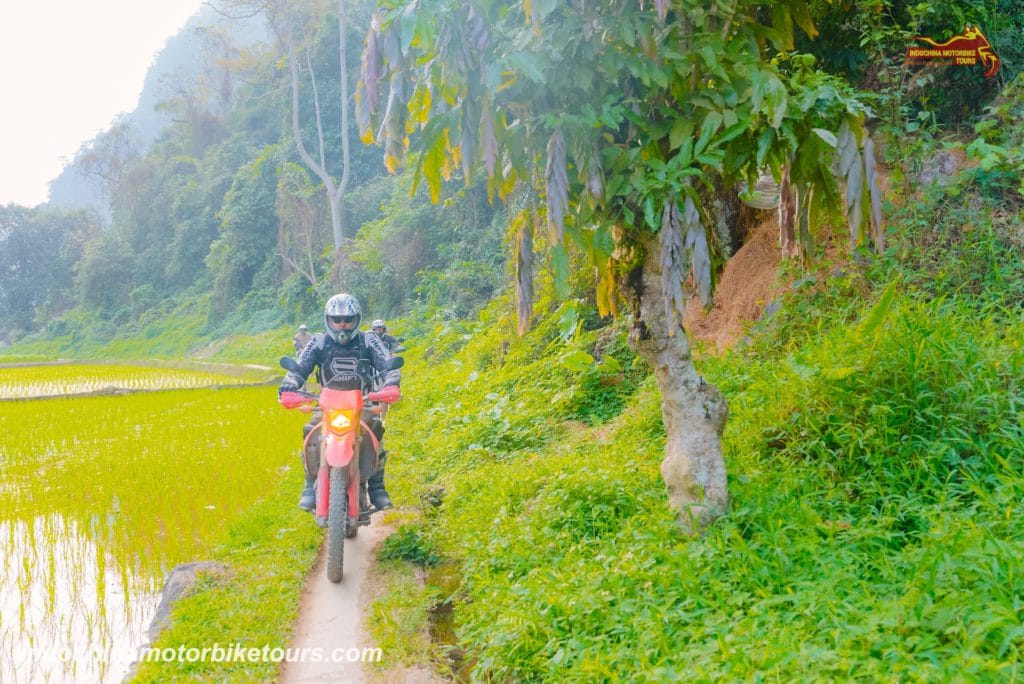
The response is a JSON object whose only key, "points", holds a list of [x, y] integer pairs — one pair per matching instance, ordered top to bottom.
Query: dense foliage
{"points": [[866, 39], [612, 122], [180, 206], [218, 216], [38, 253], [875, 458]]}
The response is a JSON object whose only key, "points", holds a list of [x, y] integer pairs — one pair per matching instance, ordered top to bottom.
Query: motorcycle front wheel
{"points": [[337, 520]]}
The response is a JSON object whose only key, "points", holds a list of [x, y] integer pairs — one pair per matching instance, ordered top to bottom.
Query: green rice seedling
{"points": [[25, 382], [102, 495]]}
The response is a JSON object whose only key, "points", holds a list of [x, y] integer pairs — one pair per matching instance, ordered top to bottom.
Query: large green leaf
{"points": [[528, 65], [708, 128], [576, 361]]}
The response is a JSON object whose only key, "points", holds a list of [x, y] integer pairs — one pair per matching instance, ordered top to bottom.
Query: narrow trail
{"points": [[331, 615]]}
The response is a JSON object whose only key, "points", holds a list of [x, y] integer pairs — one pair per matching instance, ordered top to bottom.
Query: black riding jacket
{"points": [[300, 341], [390, 341], [349, 366]]}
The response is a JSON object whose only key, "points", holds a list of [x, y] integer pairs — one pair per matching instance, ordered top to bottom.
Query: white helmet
{"points": [[342, 310], [378, 324]]}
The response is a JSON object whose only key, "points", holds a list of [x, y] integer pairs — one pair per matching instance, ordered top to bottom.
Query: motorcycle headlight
{"points": [[341, 420]]}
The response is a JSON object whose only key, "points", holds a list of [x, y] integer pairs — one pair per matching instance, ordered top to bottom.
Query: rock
{"points": [[938, 169], [763, 195], [771, 308], [433, 497], [179, 581]]}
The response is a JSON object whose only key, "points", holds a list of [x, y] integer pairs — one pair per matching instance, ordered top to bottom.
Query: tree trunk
{"points": [[346, 161], [335, 191], [338, 198], [335, 200], [722, 205], [787, 217], [693, 410]]}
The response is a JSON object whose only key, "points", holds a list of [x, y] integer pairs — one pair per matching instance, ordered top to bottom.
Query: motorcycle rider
{"points": [[301, 338], [390, 341], [344, 358]]}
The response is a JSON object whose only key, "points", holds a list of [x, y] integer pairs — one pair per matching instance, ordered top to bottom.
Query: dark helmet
{"points": [[342, 315]]}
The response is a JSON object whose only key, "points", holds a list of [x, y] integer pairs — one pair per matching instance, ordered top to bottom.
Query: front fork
{"points": [[352, 483]]}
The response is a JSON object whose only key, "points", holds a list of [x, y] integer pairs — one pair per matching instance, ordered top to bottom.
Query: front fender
{"points": [[339, 449]]}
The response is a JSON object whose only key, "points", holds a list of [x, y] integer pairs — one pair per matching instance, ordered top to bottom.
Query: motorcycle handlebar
{"points": [[387, 395], [296, 398]]}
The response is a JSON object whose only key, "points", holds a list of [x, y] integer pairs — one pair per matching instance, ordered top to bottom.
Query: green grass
{"points": [[179, 335], [876, 456], [873, 531], [269, 552], [400, 616]]}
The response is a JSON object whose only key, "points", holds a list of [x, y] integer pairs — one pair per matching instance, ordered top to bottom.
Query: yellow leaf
{"points": [[802, 17], [508, 78], [419, 108], [453, 157], [433, 161], [507, 185], [606, 303]]}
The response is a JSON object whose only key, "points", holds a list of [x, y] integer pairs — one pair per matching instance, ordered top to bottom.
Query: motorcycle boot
{"points": [[310, 462], [375, 486], [307, 500], [364, 506]]}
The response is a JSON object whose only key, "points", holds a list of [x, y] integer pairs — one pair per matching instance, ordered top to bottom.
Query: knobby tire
{"points": [[337, 519]]}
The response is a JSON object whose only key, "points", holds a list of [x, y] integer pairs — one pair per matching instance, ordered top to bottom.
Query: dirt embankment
{"points": [[747, 284]]}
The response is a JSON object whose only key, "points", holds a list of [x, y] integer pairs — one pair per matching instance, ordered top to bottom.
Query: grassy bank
{"points": [[176, 335], [876, 456], [268, 554]]}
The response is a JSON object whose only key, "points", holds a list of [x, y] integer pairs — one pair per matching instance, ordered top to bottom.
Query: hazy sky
{"points": [[67, 69]]}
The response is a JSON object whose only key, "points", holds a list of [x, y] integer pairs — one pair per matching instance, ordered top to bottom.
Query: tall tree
{"points": [[296, 27], [625, 121], [108, 156], [248, 232], [298, 246], [38, 253]]}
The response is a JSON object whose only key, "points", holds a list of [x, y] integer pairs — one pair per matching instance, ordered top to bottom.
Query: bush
{"points": [[409, 544]]}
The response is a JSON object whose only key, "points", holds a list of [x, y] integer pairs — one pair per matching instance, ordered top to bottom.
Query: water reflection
{"points": [[101, 496], [69, 612]]}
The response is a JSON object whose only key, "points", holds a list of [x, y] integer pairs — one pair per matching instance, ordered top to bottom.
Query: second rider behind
{"points": [[344, 358]]}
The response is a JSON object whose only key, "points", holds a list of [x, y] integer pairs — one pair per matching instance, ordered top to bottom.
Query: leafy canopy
{"points": [[611, 115]]}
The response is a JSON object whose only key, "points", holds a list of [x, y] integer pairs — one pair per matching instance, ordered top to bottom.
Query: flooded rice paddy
{"points": [[29, 382], [101, 496]]}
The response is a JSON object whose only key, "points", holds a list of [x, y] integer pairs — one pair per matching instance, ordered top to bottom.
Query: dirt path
{"points": [[331, 615]]}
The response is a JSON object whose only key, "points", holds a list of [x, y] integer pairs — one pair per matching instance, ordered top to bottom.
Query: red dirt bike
{"points": [[341, 504]]}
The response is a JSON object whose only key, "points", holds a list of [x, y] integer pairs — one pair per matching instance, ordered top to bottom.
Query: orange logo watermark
{"points": [[967, 49]]}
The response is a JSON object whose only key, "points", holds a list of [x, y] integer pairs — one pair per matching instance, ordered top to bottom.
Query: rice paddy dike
{"points": [[109, 477]]}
